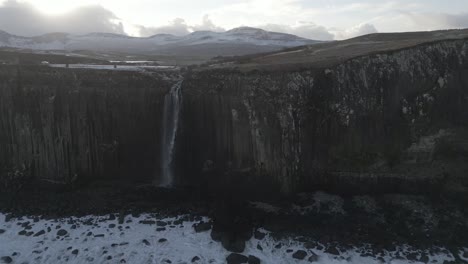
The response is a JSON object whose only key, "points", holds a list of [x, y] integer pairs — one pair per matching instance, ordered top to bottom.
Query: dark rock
{"points": [[148, 222], [161, 223], [112, 226], [73, 227], [202, 227], [49, 229], [159, 229], [2, 231], [62, 232], [22, 233], [29, 233], [40, 233], [100, 235], [259, 235], [162, 240], [146, 242], [278, 246], [259, 247], [289, 250], [332, 250], [75, 252], [300, 254], [412, 256], [109, 257], [235, 258], [313, 258], [6, 259], [195, 259], [253, 260], [123, 261]]}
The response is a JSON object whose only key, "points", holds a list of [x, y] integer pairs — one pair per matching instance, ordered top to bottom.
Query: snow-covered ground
{"points": [[102, 239]]}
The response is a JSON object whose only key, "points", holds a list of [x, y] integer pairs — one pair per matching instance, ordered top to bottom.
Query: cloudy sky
{"points": [[315, 19]]}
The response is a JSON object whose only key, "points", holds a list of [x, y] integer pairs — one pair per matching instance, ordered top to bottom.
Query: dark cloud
{"points": [[24, 19]]}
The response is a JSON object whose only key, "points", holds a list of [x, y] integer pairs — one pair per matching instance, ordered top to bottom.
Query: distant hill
{"points": [[238, 41]]}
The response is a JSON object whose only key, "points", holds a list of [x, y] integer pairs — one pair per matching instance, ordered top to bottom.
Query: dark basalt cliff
{"points": [[390, 121], [61, 125]]}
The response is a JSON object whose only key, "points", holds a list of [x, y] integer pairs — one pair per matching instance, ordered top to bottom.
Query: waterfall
{"points": [[169, 132]]}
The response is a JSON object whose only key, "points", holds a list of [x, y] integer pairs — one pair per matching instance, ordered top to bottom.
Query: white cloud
{"points": [[24, 19], [303, 29], [359, 30]]}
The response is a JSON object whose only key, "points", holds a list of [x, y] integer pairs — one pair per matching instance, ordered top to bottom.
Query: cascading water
{"points": [[170, 125]]}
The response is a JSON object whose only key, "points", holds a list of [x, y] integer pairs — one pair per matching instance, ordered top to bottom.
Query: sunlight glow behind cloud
{"points": [[316, 19]]}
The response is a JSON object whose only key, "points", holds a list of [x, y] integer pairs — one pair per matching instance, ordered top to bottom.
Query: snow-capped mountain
{"points": [[238, 41]]}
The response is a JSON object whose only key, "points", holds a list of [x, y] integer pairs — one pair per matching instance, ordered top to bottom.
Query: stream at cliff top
{"points": [[169, 133]]}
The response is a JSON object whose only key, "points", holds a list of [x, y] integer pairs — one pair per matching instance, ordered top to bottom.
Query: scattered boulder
{"points": [[148, 222], [161, 223], [202, 227], [159, 229], [2, 231], [62, 232], [40, 233], [100, 235], [259, 235], [162, 240], [146, 242], [259, 247], [332, 250], [289, 251], [75, 252], [300, 254], [235, 258], [313, 258], [6, 259], [195, 259], [253, 260]]}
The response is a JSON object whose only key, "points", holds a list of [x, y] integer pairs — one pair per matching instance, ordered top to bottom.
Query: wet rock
{"points": [[202, 227], [62, 232], [40, 233], [259, 235], [300, 254], [235, 258], [6, 259], [195, 259], [253, 260]]}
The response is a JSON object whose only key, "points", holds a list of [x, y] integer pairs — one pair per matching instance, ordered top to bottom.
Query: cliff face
{"points": [[393, 121], [59, 125], [356, 125]]}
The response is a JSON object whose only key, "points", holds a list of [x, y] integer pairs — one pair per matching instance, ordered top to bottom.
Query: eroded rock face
{"points": [[372, 123], [62, 125], [353, 126]]}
